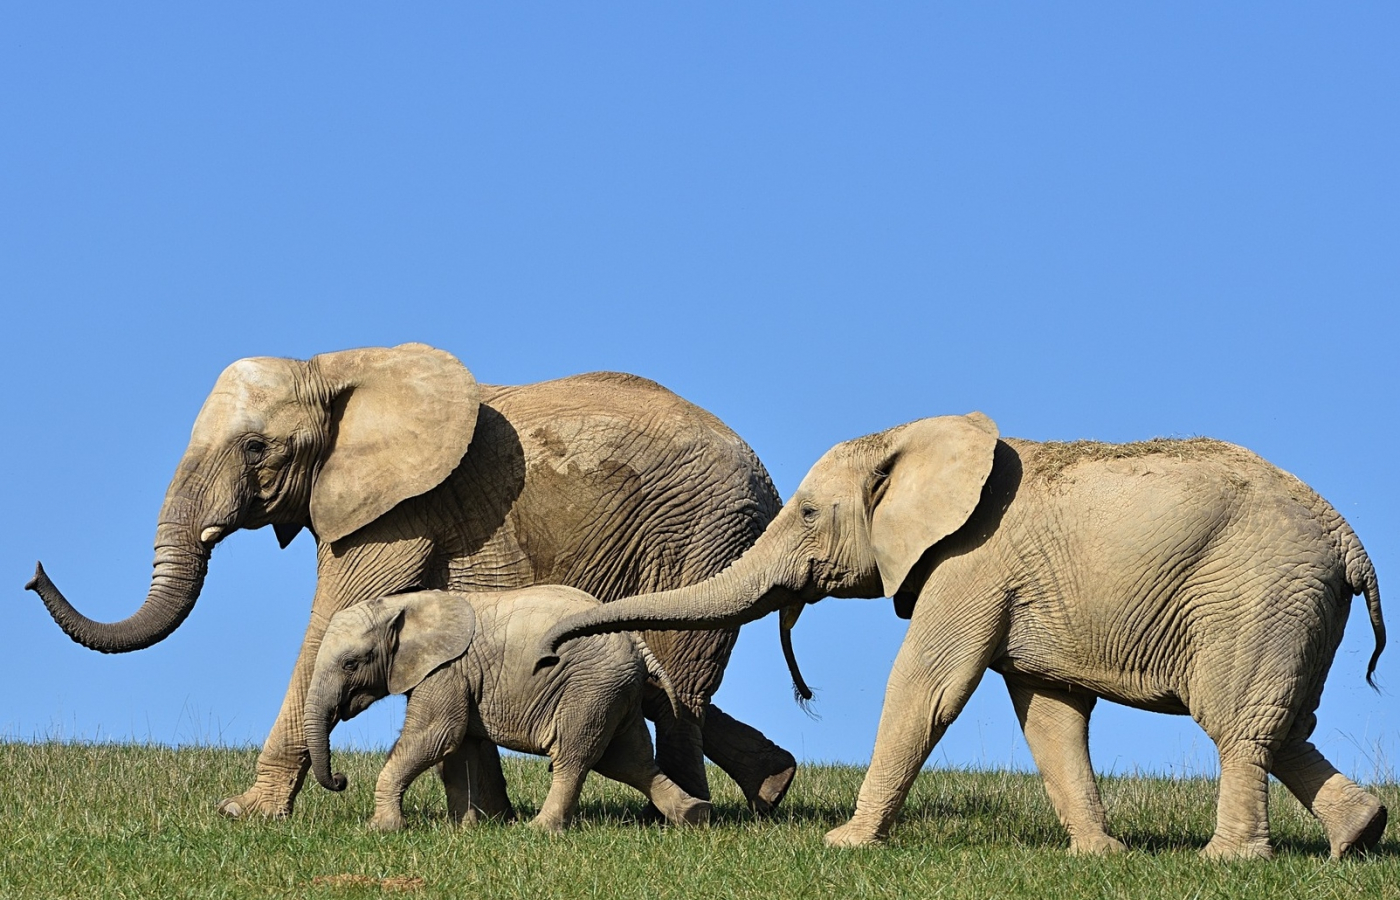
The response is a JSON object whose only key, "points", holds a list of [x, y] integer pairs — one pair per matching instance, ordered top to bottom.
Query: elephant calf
{"points": [[465, 660]]}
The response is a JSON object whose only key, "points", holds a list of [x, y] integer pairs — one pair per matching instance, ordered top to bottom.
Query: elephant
{"points": [[411, 474], [1180, 576], [464, 660]]}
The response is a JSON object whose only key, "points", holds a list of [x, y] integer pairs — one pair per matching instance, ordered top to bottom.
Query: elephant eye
{"points": [[253, 451], [809, 513], [350, 665]]}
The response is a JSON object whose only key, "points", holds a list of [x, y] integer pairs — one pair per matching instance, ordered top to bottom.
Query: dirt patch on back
{"points": [[1053, 458]]}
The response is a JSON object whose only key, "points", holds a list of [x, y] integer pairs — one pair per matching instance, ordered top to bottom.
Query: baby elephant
{"points": [[466, 660]]}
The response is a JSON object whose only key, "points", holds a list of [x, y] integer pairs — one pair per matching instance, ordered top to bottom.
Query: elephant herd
{"points": [[467, 532]]}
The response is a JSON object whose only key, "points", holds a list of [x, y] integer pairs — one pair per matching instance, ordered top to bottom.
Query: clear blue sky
{"points": [[1114, 221]]}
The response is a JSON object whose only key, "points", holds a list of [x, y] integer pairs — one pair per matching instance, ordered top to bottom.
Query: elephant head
{"points": [[331, 443], [857, 525], [380, 647]]}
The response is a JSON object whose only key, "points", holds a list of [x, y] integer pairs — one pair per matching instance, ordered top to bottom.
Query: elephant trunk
{"points": [[188, 528], [180, 565], [749, 589], [786, 621], [319, 720]]}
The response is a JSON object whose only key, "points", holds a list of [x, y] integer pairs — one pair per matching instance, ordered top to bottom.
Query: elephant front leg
{"points": [[366, 569], [935, 672], [1056, 725], [428, 736], [283, 763], [458, 773]]}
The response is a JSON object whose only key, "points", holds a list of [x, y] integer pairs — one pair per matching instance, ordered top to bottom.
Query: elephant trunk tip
{"points": [[40, 579], [338, 782]]}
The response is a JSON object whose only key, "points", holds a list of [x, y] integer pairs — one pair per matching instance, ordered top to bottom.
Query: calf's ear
{"points": [[434, 628]]}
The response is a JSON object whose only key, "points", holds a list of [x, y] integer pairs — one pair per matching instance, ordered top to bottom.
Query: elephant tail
{"points": [[1361, 577], [656, 671]]}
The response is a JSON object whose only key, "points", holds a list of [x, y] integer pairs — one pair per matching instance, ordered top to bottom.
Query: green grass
{"points": [[133, 821]]}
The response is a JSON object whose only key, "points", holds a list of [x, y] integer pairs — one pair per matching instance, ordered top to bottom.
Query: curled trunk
{"points": [[181, 562], [320, 719]]}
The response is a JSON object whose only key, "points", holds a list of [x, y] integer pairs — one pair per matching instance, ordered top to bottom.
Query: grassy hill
{"points": [[132, 821]]}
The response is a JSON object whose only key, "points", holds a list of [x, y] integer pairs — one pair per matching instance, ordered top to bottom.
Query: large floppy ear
{"points": [[401, 420], [933, 480], [435, 627]]}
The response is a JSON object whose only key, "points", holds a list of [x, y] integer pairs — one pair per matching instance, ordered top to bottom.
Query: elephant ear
{"points": [[401, 421], [934, 477], [434, 627]]}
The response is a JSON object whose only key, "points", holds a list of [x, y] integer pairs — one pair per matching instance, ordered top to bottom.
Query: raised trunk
{"points": [[191, 522], [181, 562], [749, 589], [320, 719]]}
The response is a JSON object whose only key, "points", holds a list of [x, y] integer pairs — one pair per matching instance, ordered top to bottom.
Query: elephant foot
{"points": [[771, 791], [256, 803], [691, 812], [387, 822], [547, 824], [1363, 832], [849, 835], [1098, 845], [1225, 850]]}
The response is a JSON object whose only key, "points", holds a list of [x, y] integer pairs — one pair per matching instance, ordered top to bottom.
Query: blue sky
{"points": [[1086, 220]]}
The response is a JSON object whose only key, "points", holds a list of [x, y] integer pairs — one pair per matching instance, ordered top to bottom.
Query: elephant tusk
{"points": [[211, 535]]}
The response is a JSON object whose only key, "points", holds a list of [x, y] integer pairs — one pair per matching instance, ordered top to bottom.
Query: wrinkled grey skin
{"points": [[410, 474], [1186, 577], [465, 660]]}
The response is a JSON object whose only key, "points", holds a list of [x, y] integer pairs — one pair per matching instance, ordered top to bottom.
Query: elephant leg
{"points": [[360, 572], [936, 670], [1056, 725], [428, 737], [679, 745], [629, 759], [283, 763], [761, 768], [458, 771], [489, 797], [561, 803], [1242, 810], [1353, 818]]}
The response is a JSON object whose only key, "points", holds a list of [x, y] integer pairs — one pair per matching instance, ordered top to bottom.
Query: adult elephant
{"points": [[410, 474], [1178, 576]]}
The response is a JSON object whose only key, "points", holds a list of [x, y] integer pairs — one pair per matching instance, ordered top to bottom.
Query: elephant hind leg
{"points": [[1056, 725], [1248, 725], [679, 745], [628, 759], [763, 770], [561, 803], [1242, 808], [1353, 818]]}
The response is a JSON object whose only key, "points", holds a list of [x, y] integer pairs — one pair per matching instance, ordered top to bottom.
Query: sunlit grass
{"points": [[131, 821]]}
